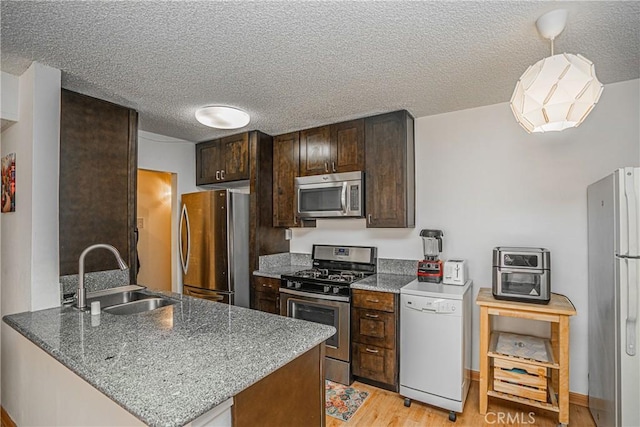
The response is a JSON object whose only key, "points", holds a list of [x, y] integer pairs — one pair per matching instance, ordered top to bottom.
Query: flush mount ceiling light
{"points": [[557, 92], [221, 117]]}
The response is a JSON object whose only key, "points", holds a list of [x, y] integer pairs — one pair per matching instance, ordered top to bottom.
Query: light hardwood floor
{"points": [[385, 408]]}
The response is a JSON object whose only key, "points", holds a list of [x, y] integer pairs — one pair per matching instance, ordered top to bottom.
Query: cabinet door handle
{"points": [[333, 166], [326, 167], [222, 174], [217, 175], [369, 218], [295, 220], [373, 300], [373, 316], [368, 350]]}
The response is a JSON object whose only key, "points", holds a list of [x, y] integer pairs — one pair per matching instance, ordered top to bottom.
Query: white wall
{"points": [[9, 86], [166, 154], [485, 182], [29, 236]]}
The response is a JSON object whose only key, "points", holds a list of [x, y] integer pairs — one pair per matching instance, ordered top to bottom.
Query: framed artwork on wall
{"points": [[9, 183]]}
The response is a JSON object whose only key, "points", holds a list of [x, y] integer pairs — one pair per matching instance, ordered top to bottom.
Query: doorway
{"points": [[155, 197]]}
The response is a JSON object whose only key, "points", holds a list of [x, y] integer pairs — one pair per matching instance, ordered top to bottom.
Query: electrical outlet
{"points": [[140, 223], [288, 234]]}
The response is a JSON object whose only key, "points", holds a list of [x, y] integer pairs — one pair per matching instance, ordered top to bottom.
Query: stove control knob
{"points": [[289, 284], [298, 285], [327, 289], [336, 290]]}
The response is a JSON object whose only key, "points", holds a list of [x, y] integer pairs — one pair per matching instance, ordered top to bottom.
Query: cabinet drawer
{"points": [[266, 284], [384, 301], [373, 327], [373, 362], [511, 364], [520, 390]]}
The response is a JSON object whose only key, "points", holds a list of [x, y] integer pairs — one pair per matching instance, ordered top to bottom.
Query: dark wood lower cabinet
{"points": [[266, 294], [374, 338], [374, 363], [294, 395]]}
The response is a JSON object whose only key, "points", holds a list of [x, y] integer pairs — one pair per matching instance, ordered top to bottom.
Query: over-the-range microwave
{"points": [[336, 195]]}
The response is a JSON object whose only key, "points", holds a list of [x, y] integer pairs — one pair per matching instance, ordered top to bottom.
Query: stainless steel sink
{"points": [[111, 299], [129, 299], [148, 303]]}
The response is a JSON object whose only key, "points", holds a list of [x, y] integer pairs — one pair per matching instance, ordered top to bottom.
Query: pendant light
{"points": [[557, 92], [222, 117]]}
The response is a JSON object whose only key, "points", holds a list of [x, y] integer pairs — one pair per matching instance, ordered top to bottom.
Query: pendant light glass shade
{"points": [[556, 93], [221, 117]]}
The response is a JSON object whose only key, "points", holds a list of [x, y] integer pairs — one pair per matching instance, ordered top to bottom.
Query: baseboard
{"points": [[574, 398], [6, 419]]}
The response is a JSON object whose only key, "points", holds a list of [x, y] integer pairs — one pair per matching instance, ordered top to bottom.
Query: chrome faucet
{"points": [[81, 298]]}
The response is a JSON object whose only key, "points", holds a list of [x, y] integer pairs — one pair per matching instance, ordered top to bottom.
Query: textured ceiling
{"points": [[294, 65]]}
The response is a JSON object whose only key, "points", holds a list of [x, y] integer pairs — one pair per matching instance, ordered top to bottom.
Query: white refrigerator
{"points": [[614, 282]]}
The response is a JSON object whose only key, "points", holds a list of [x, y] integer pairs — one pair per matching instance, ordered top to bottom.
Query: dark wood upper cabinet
{"points": [[347, 146], [332, 148], [286, 149], [315, 151], [235, 152], [223, 160], [207, 162], [390, 170], [97, 193]]}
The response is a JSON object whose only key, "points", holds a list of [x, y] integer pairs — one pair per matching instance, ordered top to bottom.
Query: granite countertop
{"points": [[277, 271], [384, 282], [169, 366]]}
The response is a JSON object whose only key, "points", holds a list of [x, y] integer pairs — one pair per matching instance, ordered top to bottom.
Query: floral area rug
{"points": [[343, 401]]}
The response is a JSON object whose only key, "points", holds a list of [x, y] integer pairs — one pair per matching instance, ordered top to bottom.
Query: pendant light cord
{"points": [[551, 47]]}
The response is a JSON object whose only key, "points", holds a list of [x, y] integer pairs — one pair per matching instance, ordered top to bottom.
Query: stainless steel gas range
{"points": [[323, 295]]}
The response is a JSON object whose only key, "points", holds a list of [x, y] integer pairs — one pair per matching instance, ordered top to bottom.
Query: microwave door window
{"points": [[321, 199], [521, 283]]}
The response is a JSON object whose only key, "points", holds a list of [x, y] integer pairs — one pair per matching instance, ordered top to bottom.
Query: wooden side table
{"points": [[557, 312]]}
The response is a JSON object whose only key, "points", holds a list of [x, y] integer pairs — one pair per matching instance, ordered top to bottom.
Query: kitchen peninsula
{"points": [[169, 366]]}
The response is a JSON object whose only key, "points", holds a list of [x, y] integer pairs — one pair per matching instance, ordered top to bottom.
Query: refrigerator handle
{"points": [[632, 213], [184, 219], [632, 305]]}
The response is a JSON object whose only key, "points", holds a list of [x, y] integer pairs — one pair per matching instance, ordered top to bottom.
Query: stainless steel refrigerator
{"points": [[214, 246], [614, 276]]}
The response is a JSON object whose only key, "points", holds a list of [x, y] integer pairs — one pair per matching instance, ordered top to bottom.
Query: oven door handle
{"points": [[521, 270], [315, 296]]}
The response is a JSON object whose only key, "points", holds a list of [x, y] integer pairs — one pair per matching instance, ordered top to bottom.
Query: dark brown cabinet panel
{"points": [[347, 146], [332, 148], [235, 151], [315, 151], [222, 160], [207, 162], [98, 164], [285, 169], [390, 170], [264, 238], [266, 295], [374, 327], [375, 336], [374, 363], [294, 395]]}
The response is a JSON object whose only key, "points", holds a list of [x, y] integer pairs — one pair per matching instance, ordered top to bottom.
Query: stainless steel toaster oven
{"points": [[522, 274]]}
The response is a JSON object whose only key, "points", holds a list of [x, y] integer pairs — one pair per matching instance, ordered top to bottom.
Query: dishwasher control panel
{"points": [[433, 305]]}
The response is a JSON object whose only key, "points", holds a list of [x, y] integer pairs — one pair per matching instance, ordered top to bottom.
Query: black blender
{"points": [[430, 268]]}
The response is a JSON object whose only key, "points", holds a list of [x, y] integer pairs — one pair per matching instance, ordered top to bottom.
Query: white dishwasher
{"points": [[435, 344]]}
